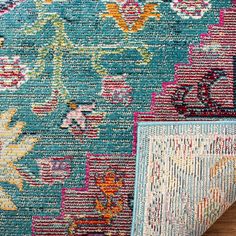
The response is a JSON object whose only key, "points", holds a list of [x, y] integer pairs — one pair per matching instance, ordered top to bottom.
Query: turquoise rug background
{"points": [[166, 39]]}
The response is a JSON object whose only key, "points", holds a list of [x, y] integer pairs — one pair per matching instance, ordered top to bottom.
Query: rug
{"points": [[117, 116], [185, 176]]}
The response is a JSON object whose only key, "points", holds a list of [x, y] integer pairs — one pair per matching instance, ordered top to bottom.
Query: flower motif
{"points": [[7, 5], [191, 8], [131, 11], [130, 15], [12, 74], [116, 90], [122, 95], [76, 114], [82, 121], [91, 130], [11, 152], [54, 169], [109, 185]]}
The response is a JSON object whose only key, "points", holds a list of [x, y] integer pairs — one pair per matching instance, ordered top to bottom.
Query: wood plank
{"points": [[225, 225]]}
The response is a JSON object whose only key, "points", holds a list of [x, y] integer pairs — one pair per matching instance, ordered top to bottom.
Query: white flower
{"points": [[191, 8], [12, 73]]}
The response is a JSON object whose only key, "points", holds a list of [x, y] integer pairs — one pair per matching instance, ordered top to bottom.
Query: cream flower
{"points": [[11, 152]]}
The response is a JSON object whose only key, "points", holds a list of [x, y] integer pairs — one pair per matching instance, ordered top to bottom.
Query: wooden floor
{"points": [[226, 225]]}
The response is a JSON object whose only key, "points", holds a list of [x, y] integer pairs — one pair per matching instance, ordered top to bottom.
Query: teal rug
{"points": [[104, 105]]}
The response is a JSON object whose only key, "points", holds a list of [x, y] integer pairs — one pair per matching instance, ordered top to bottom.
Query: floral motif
{"points": [[7, 5], [191, 8], [131, 11], [130, 15], [62, 45], [12, 74], [116, 90], [76, 114], [82, 121], [11, 152], [54, 169], [109, 185]]}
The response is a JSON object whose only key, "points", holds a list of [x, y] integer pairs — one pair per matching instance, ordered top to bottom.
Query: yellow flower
{"points": [[11, 152]]}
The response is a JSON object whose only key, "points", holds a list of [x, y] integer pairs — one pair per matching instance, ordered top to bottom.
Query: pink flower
{"points": [[7, 5], [191, 8], [131, 11], [12, 74], [116, 90], [77, 115], [82, 121], [91, 129]]}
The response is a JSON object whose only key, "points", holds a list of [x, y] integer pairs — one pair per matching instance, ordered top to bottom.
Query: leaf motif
{"points": [[6, 117], [10, 134], [11, 151], [14, 152], [10, 174], [6, 203]]}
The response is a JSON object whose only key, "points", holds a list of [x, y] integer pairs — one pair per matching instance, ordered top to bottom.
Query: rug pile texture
{"points": [[117, 117]]}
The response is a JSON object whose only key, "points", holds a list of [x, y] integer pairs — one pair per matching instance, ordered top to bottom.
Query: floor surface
{"points": [[226, 225]]}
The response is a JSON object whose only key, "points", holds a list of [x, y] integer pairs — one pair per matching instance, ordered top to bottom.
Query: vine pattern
{"points": [[61, 45]]}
